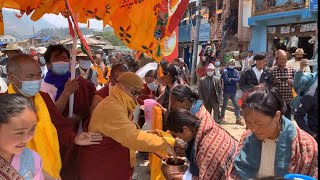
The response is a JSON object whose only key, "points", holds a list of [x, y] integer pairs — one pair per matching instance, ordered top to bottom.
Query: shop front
{"points": [[298, 35]]}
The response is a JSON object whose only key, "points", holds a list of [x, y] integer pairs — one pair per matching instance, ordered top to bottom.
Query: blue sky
{"points": [[60, 21]]}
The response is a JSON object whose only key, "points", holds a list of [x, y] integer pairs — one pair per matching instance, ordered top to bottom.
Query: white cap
{"points": [[41, 50], [211, 66]]}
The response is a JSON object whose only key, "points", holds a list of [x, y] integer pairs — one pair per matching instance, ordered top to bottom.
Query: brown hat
{"points": [[299, 51], [131, 79]]}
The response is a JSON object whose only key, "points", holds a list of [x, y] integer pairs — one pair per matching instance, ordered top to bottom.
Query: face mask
{"points": [[42, 60], [217, 63], [84, 64], [231, 67], [60, 68], [210, 73], [152, 86], [29, 88]]}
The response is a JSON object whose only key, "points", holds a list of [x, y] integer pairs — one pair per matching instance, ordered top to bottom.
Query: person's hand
{"points": [[303, 64], [276, 81], [289, 81], [71, 86], [258, 87], [164, 110], [85, 138], [180, 143], [171, 152]]}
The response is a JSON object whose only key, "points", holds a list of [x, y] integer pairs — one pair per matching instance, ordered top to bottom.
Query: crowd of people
{"points": [[40, 140]]}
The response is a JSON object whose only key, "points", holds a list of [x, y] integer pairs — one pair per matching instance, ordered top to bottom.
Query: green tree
{"points": [[112, 38]]}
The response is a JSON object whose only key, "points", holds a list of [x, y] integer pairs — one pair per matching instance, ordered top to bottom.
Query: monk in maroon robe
{"points": [[68, 139]]}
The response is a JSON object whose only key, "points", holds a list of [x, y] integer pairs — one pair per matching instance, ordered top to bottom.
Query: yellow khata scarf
{"points": [[129, 104], [45, 141], [155, 161]]}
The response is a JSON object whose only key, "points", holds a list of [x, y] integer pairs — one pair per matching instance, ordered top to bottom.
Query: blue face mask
{"points": [[42, 60], [217, 63], [85, 64], [60, 68], [152, 86], [29, 88]]}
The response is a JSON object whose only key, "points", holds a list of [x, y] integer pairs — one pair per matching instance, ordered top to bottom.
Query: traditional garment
{"points": [[57, 81], [54, 86], [67, 130], [45, 141], [215, 148], [296, 153], [112, 158], [155, 161], [29, 165], [8, 172]]}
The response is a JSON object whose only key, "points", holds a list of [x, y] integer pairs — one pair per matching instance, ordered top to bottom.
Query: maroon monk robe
{"points": [[103, 92], [146, 93], [82, 99], [66, 135], [119, 169]]}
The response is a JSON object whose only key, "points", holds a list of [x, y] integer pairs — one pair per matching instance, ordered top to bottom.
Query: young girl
{"points": [[17, 124]]}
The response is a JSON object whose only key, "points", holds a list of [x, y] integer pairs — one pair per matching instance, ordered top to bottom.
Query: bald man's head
{"points": [[281, 58], [23, 68], [116, 71]]}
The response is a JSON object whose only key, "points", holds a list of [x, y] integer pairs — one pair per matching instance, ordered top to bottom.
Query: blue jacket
{"points": [[230, 79], [301, 84]]}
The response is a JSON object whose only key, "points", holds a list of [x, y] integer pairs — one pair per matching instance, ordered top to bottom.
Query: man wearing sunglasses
{"points": [[113, 117]]}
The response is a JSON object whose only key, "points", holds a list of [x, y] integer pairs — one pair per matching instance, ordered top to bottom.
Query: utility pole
{"points": [[195, 43]]}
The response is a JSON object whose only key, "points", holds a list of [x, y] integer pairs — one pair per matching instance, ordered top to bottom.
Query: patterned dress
{"points": [[215, 148]]}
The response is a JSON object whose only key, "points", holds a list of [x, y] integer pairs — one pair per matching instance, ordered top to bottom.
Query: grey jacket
{"points": [[204, 91]]}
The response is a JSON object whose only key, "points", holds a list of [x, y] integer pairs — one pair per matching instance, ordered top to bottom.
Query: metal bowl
{"points": [[171, 168]]}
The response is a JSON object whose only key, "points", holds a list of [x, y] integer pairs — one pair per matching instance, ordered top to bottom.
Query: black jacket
{"points": [[248, 79], [309, 107]]}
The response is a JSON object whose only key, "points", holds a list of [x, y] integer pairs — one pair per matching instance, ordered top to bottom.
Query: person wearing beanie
{"points": [[210, 91], [115, 157]]}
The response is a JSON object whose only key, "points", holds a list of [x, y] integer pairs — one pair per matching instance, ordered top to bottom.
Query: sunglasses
{"points": [[134, 92]]}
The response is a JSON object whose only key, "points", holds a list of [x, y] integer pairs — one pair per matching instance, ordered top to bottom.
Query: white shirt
{"points": [[296, 65], [44, 70], [258, 73], [3, 86], [268, 155]]}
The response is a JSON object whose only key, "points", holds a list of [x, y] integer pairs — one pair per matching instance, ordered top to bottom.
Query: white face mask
{"points": [[84, 64], [231, 67], [210, 73]]}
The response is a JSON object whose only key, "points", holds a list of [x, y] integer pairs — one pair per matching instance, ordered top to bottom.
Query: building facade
{"points": [[282, 24], [8, 39]]}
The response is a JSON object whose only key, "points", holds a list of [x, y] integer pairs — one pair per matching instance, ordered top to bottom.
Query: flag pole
{"points": [[73, 65]]}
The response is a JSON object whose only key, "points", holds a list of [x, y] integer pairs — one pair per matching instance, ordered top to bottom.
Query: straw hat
{"points": [[11, 47], [41, 50], [299, 52], [80, 53]]}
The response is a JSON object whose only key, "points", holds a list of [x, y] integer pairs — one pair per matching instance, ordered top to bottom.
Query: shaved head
{"points": [[281, 52], [16, 63], [23, 68]]}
